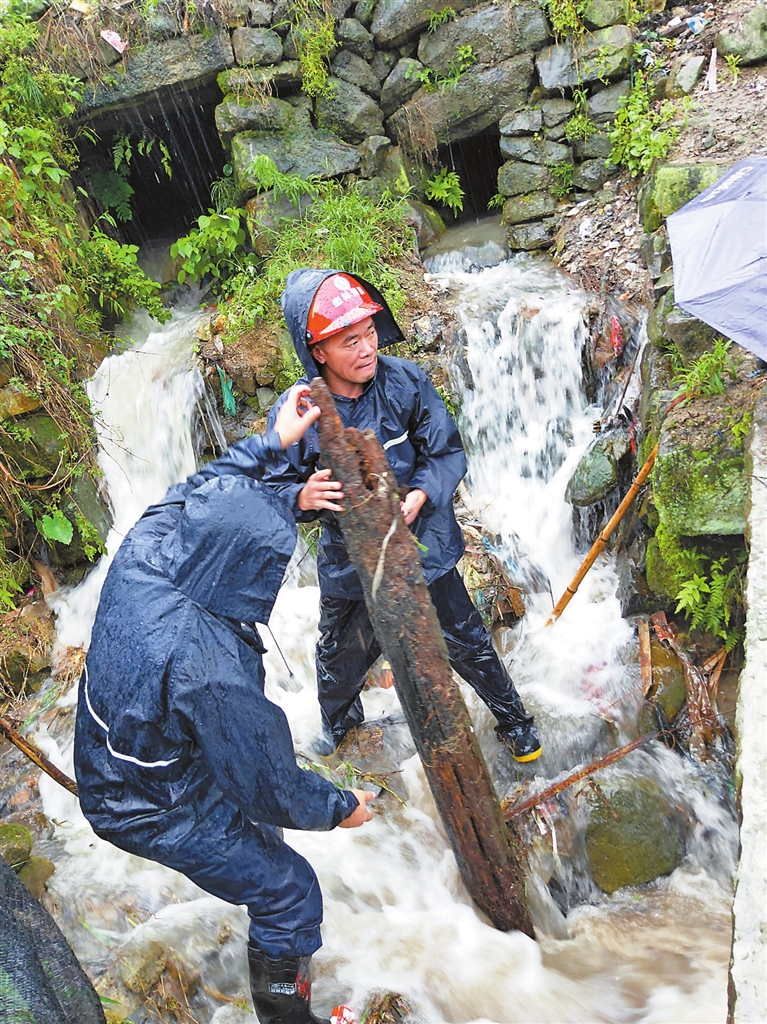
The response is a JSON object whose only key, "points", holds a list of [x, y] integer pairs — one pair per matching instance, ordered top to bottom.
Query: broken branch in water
{"points": [[704, 727], [37, 756], [582, 773]]}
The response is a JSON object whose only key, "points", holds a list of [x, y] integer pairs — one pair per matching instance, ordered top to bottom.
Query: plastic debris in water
{"points": [[616, 335], [227, 393], [342, 1015]]}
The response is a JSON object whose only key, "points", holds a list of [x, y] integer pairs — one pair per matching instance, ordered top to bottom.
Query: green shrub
{"points": [[642, 131], [445, 188], [705, 377]]}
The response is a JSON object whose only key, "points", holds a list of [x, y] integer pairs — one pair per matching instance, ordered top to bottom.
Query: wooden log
{"points": [[37, 756], [490, 856]]}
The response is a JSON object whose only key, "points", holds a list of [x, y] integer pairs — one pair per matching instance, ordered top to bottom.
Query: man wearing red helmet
{"points": [[338, 323]]}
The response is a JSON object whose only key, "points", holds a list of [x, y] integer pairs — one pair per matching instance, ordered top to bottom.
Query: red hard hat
{"points": [[339, 302]]}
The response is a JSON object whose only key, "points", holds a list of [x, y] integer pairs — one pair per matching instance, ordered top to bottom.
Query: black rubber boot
{"points": [[522, 740], [281, 988]]}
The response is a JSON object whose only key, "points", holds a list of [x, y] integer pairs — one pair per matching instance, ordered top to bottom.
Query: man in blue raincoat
{"points": [[338, 323], [179, 755]]}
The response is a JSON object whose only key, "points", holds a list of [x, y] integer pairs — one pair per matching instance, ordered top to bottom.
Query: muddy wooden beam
{"points": [[382, 549]]}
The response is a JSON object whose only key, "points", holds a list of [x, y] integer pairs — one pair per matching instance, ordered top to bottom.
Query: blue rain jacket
{"points": [[409, 418], [174, 734]]}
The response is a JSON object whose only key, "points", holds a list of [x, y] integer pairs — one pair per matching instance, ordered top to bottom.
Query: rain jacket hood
{"points": [[301, 287], [409, 418], [230, 548], [173, 727]]}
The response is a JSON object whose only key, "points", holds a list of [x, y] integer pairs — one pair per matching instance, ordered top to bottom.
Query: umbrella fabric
{"points": [[719, 248]]}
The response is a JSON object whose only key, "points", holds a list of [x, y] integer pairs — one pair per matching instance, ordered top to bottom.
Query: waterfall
{"points": [[397, 918]]}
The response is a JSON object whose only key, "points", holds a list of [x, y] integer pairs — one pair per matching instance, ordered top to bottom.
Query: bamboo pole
{"points": [[601, 542], [37, 756], [582, 773]]}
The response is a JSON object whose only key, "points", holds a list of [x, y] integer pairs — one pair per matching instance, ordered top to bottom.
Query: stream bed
{"points": [[397, 917]]}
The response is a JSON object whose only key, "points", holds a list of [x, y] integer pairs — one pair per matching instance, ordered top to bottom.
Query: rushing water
{"points": [[397, 917]]}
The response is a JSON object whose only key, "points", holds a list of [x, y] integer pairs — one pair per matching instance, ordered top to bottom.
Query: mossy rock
{"points": [[673, 185], [35, 452], [597, 471], [700, 486], [662, 579], [669, 686], [633, 836], [15, 844], [35, 874]]}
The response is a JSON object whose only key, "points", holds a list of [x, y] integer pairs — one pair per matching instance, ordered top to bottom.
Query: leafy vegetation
{"points": [[566, 16], [440, 17], [313, 32], [460, 63], [733, 63], [580, 125], [642, 130], [563, 174], [445, 188], [338, 228], [63, 280], [706, 376], [708, 590], [712, 601]]}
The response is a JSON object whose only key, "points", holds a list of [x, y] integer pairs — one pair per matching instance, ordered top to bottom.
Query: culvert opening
{"points": [[174, 130], [476, 161]]}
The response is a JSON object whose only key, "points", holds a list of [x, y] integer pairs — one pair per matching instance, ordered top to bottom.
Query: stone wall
{"points": [[377, 116]]}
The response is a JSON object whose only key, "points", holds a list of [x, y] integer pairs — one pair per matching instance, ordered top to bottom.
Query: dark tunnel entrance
{"points": [[180, 125], [476, 161]]}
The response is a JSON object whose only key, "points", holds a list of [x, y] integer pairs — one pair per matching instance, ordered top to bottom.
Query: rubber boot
{"points": [[281, 988]]}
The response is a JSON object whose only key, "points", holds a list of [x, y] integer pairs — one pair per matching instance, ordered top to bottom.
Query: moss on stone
{"points": [[671, 187], [633, 836], [15, 844]]}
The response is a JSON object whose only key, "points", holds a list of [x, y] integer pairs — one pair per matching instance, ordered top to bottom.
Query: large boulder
{"points": [[602, 13], [396, 21], [494, 34], [353, 35], [750, 44], [256, 46], [601, 55], [180, 63], [353, 69], [245, 83], [401, 84], [478, 100], [604, 104], [349, 112], [266, 114], [300, 149], [534, 150], [518, 177], [673, 185], [531, 206], [266, 216], [531, 236], [597, 471], [700, 486], [634, 834]]}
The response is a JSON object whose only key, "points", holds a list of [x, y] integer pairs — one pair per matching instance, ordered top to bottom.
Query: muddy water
{"points": [[396, 915]]}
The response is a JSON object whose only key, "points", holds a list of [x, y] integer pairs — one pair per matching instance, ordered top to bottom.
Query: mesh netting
{"points": [[41, 981]]}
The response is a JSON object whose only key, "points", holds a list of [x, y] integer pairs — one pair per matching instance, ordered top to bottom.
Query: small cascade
{"points": [[397, 918]]}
